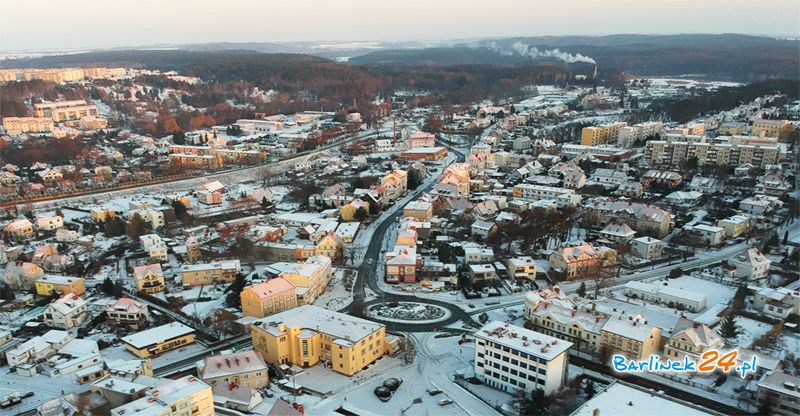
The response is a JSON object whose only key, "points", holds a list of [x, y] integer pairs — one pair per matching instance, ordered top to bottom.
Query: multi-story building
{"points": [[66, 110], [21, 125], [771, 128], [595, 135], [422, 139], [677, 150], [395, 184], [564, 197], [419, 210], [642, 218], [736, 225], [19, 230], [647, 248], [581, 261], [750, 264], [521, 268], [223, 271], [149, 278], [309, 278], [47, 285], [268, 298], [778, 303], [66, 312], [127, 314], [560, 319], [308, 334], [630, 336], [691, 339], [158, 340], [512, 359], [242, 368], [780, 392], [187, 396]]}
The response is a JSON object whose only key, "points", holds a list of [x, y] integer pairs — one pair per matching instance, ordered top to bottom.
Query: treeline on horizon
{"points": [[725, 98]]}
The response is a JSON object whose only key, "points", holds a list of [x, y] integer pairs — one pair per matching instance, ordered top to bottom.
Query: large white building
{"points": [[666, 295], [511, 358]]}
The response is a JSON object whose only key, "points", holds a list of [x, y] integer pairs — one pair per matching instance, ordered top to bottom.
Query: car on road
{"points": [[434, 391], [445, 402]]}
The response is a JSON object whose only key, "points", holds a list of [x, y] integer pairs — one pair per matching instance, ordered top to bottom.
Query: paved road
{"points": [[366, 277]]}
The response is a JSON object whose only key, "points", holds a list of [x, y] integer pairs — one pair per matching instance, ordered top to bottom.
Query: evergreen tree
{"points": [[108, 286], [118, 289], [582, 290], [729, 329], [536, 405]]}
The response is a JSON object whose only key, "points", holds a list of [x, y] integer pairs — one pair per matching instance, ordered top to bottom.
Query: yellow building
{"points": [[20, 125], [771, 128], [603, 134], [420, 210], [348, 211], [100, 214], [330, 246], [223, 271], [149, 278], [310, 278], [46, 285], [268, 298], [309, 334], [630, 336], [692, 339], [158, 340], [187, 396]]}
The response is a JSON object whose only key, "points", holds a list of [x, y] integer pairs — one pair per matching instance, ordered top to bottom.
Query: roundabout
{"points": [[407, 312]]}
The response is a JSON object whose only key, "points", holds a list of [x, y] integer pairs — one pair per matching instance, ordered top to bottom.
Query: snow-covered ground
{"points": [[749, 331]]}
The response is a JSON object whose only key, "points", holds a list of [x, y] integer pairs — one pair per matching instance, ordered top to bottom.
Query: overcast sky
{"points": [[110, 23]]}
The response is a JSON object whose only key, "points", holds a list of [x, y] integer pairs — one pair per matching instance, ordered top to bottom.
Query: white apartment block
{"points": [[511, 358]]}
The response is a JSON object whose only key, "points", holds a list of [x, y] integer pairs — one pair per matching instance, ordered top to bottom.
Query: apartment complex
{"points": [[65, 110], [21, 125], [771, 128], [603, 134], [675, 150], [223, 271], [268, 298], [308, 334], [159, 340], [511, 358]]}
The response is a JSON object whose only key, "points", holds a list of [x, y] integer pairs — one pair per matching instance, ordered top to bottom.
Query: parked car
{"points": [[434, 391], [383, 393], [445, 402]]}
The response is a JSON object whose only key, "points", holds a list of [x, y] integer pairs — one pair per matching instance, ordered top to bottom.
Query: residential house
{"points": [[19, 230], [647, 248], [581, 261], [750, 264], [149, 278], [310, 278], [66, 312], [127, 314], [691, 339]]}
